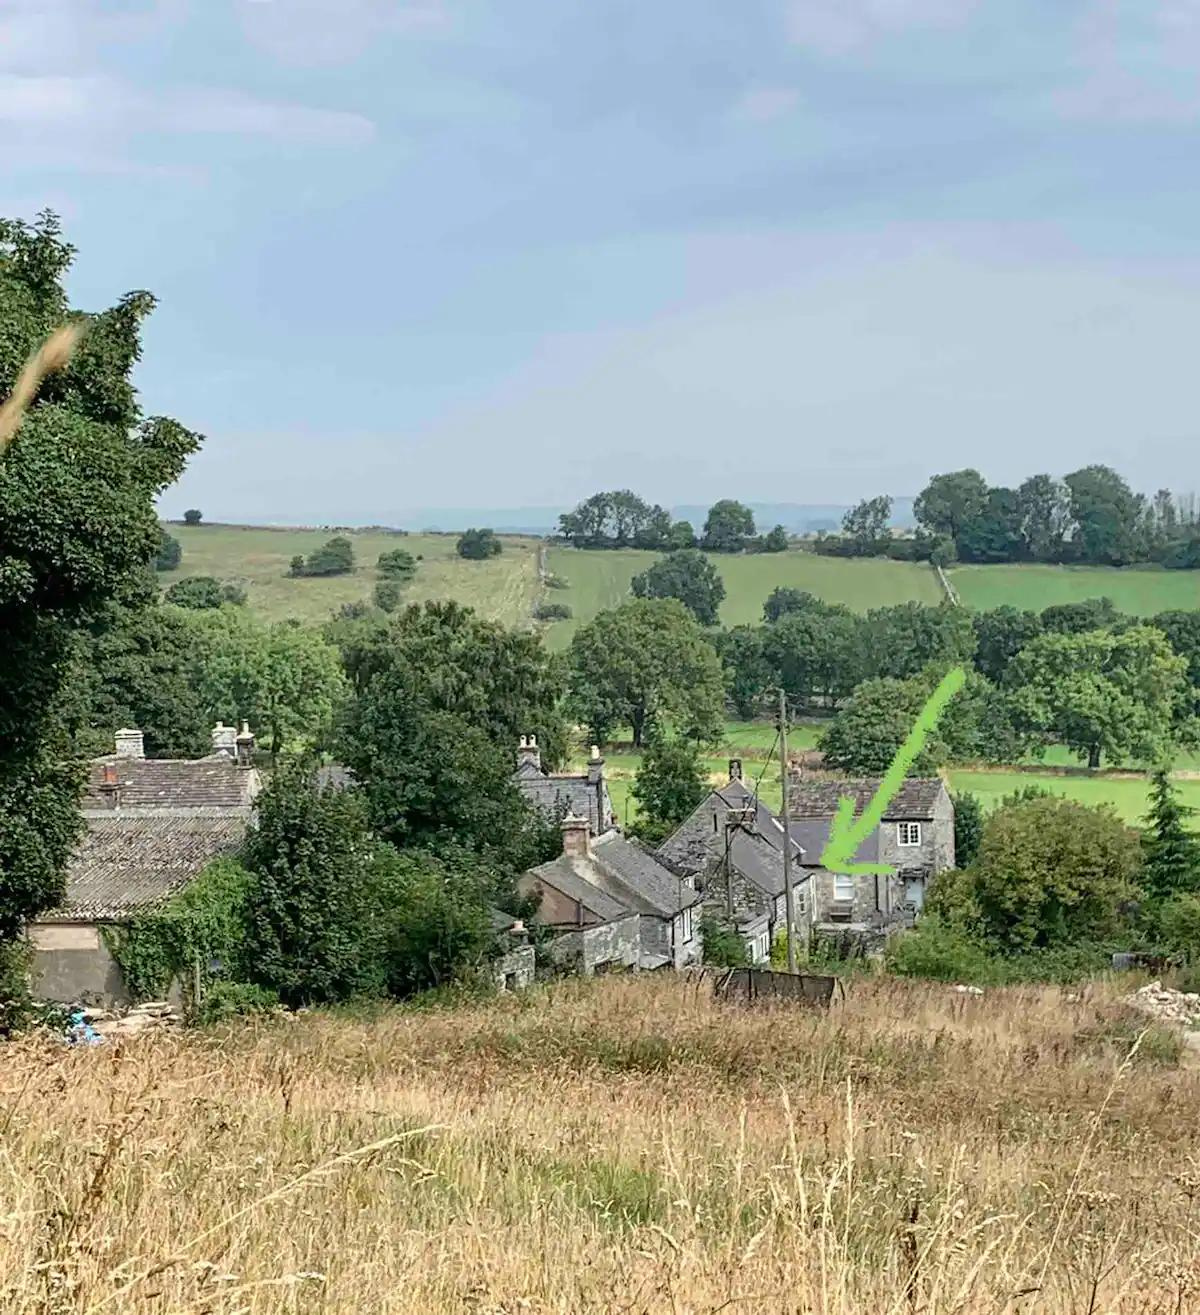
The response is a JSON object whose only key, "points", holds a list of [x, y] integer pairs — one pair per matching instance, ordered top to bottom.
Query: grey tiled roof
{"points": [[213, 782], [555, 794], [814, 799], [813, 834], [756, 854], [128, 861], [566, 875], [642, 875]]}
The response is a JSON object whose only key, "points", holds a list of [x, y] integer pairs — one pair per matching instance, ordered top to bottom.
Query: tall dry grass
{"points": [[623, 1146]]}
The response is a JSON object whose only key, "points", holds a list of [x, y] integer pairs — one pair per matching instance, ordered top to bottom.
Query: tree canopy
{"points": [[728, 527], [77, 529], [478, 545], [689, 576], [644, 662]]}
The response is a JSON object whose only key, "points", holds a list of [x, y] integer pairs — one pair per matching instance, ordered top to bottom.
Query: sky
{"points": [[418, 253]]}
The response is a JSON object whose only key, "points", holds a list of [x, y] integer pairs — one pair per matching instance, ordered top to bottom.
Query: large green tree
{"points": [[950, 502], [1045, 506], [1107, 516], [865, 525], [728, 526], [77, 529], [995, 534], [687, 575], [1000, 634], [904, 639], [816, 654], [645, 661], [747, 672], [283, 678], [1123, 693], [865, 735], [670, 782], [1050, 871], [314, 924]]}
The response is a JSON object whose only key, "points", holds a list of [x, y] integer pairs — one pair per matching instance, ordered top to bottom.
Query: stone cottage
{"points": [[555, 794], [151, 827], [915, 838], [732, 845], [611, 903]]}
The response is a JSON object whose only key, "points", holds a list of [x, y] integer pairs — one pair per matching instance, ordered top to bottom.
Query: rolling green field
{"points": [[600, 580], [503, 589], [1139, 592]]}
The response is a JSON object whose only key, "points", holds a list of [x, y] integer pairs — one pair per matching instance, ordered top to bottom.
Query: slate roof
{"points": [[154, 783], [556, 793], [819, 799], [813, 834], [756, 854], [129, 861], [564, 874], [655, 887]]}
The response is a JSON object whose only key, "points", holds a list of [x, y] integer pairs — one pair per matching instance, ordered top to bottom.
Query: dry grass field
{"points": [[626, 1145]]}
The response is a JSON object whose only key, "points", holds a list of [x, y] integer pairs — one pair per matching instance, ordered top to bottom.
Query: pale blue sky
{"points": [[457, 253]]}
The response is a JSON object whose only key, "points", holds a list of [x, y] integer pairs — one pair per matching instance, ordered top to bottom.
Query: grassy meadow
{"points": [[600, 580], [504, 588], [1136, 591], [622, 1145]]}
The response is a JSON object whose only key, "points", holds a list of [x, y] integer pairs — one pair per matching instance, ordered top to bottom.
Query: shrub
{"points": [[192, 516], [478, 545], [170, 554], [336, 557], [397, 564], [557, 581], [197, 592], [389, 594], [552, 612], [722, 946], [939, 950], [225, 1000], [16, 1005]]}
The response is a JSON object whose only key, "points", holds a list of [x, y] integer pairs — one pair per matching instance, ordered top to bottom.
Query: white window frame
{"points": [[908, 834], [843, 888], [685, 926], [762, 947]]}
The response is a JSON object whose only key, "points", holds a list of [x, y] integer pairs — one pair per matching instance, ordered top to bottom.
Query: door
{"points": [[914, 889]]}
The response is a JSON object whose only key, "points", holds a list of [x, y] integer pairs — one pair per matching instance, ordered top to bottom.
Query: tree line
{"points": [[1091, 517], [620, 519]]}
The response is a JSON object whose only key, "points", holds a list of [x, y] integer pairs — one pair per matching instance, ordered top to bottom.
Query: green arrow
{"points": [[846, 834]]}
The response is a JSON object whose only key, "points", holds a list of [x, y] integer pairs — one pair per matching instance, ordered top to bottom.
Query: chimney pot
{"points": [[224, 739], [130, 744], [244, 746], [528, 751], [735, 769], [576, 834]]}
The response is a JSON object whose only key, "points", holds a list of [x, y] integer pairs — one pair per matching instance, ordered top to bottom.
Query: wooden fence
{"points": [[758, 985]]}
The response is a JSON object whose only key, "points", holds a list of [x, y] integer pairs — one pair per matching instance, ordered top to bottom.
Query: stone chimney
{"points": [[224, 739], [130, 744], [244, 745], [528, 752], [735, 769], [595, 770], [110, 789], [577, 838]]}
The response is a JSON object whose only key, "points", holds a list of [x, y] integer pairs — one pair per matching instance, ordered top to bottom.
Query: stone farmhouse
{"points": [[151, 827], [915, 838], [732, 847], [611, 904]]}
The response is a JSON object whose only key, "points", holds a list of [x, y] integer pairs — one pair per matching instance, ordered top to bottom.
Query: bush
{"points": [[192, 516], [478, 545], [170, 554], [336, 557], [398, 564], [557, 581], [198, 592], [389, 594], [552, 612], [722, 946], [941, 951], [225, 1000], [16, 1005]]}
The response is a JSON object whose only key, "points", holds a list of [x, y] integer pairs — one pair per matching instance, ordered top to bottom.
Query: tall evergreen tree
{"points": [[1171, 852]]}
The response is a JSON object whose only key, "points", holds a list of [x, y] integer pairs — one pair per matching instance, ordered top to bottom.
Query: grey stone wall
{"points": [[936, 850], [872, 895], [608, 945], [72, 963], [515, 970]]}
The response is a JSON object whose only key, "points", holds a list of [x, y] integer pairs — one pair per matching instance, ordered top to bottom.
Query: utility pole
{"points": [[788, 894]]}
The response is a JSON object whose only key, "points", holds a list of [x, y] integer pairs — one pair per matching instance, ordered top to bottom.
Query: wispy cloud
{"points": [[838, 27], [324, 32], [765, 104]]}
